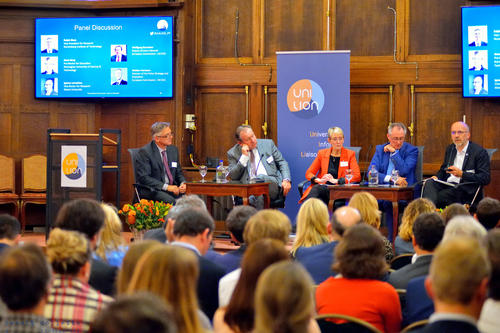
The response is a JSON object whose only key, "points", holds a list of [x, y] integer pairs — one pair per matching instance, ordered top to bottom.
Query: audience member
{"points": [[367, 205], [455, 209], [488, 212], [87, 217], [312, 222], [267, 223], [235, 224], [464, 226], [193, 230], [10, 231], [428, 231], [403, 242], [111, 247], [134, 253], [359, 257], [318, 259], [171, 272], [24, 282], [458, 285], [283, 300], [71, 303], [419, 306], [140, 312], [239, 315], [489, 322]]}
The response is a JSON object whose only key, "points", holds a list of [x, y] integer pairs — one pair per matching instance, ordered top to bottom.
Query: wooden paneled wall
{"points": [[419, 76]]}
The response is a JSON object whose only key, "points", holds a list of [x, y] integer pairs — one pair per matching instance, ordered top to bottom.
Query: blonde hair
{"points": [[335, 130], [367, 206], [414, 210], [312, 221], [268, 223], [111, 235], [67, 251], [134, 253], [171, 272], [284, 299]]}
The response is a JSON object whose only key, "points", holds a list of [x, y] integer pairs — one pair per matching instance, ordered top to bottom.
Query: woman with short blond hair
{"points": [[417, 207]]}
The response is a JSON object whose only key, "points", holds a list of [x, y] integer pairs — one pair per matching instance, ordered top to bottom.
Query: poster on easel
{"points": [[74, 166]]}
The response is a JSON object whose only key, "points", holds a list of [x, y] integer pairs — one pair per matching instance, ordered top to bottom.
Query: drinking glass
{"points": [[203, 172], [226, 173], [348, 176], [394, 176]]}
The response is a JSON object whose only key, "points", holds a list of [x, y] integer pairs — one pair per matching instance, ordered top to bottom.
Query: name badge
{"points": [[270, 159], [344, 163], [174, 164], [471, 171]]}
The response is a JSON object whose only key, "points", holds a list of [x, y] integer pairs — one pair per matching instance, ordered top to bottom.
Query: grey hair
{"points": [[399, 125], [158, 127], [240, 129], [335, 130], [189, 201], [463, 225]]}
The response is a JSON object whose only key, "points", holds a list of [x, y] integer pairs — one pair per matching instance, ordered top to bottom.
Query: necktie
{"points": [[119, 59], [165, 164], [390, 167], [253, 170]]}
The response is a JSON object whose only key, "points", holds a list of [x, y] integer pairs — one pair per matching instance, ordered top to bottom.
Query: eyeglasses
{"points": [[458, 132], [165, 136], [336, 139], [398, 139]]}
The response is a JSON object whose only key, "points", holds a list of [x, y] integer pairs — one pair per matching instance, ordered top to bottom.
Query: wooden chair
{"points": [[34, 183], [8, 184], [401, 260], [349, 324], [415, 325]]}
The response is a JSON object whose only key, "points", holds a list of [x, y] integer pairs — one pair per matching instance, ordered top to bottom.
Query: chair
{"points": [[420, 164], [34, 183], [303, 183], [8, 184], [479, 192], [401, 260], [402, 299], [351, 324], [415, 325]]}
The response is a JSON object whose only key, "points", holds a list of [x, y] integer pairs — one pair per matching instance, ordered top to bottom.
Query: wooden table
{"points": [[212, 189], [389, 193]]}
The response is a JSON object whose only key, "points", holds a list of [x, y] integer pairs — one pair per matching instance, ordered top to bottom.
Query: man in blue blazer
{"points": [[251, 158], [158, 168]]}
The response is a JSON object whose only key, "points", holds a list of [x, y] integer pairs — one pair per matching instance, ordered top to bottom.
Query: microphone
{"points": [[258, 163], [365, 173], [257, 179]]}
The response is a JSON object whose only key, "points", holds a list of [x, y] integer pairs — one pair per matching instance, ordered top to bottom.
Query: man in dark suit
{"points": [[118, 56], [258, 158], [466, 163], [158, 168], [428, 229], [193, 230], [458, 285]]}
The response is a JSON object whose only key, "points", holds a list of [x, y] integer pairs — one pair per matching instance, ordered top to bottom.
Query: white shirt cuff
{"points": [[244, 160], [387, 179], [164, 187]]}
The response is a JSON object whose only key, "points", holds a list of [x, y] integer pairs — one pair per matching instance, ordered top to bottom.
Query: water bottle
{"points": [[219, 172], [373, 176]]}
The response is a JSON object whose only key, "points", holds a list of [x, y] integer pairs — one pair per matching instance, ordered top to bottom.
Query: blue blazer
{"points": [[404, 161]]}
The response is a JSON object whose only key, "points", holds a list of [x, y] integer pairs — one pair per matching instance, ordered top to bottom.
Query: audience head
{"points": [[367, 206], [414, 209], [453, 210], [488, 212], [83, 215], [344, 218], [237, 219], [267, 223], [312, 223], [195, 226], [466, 226], [10, 228], [428, 230], [111, 235], [493, 246], [68, 251], [134, 253], [361, 253], [261, 254], [170, 272], [459, 274], [24, 277], [283, 299], [141, 312]]}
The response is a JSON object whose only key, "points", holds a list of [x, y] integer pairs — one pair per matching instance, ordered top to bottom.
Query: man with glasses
{"points": [[466, 163], [158, 168]]}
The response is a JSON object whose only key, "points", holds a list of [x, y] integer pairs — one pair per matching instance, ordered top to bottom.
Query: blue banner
{"points": [[313, 95]]}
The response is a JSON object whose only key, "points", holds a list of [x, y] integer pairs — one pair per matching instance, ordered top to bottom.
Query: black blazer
{"points": [[476, 167], [151, 171], [102, 276], [400, 278], [208, 286], [445, 326]]}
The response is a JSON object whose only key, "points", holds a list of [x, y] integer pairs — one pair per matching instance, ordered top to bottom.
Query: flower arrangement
{"points": [[145, 215]]}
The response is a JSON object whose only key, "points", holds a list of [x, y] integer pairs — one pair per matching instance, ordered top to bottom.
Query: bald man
{"points": [[464, 162]]}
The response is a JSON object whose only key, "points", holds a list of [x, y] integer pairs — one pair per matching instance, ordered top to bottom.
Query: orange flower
{"points": [[144, 202], [126, 208], [132, 213], [131, 219]]}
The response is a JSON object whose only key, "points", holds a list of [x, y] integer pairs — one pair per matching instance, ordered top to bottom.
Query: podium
{"points": [[75, 167]]}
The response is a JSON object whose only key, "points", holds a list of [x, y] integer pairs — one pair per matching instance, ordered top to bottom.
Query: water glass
{"points": [[203, 172], [348, 176], [394, 176]]}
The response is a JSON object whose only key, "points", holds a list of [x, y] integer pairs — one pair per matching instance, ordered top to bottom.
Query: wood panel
{"points": [[366, 27], [6, 82], [76, 121], [5, 132], [33, 132]]}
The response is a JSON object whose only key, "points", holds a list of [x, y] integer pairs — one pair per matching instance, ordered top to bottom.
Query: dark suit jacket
{"points": [[124, 58], [121, 83], [404, 161], [476, 167], [151, 171], [231, 260], [317, 260], [102, 276], [400, 278], [208, 286], [419, 306], [449, 326]]}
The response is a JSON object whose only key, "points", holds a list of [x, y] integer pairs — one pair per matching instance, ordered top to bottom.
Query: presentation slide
{"points": [[481, 51], [104, 57]]}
